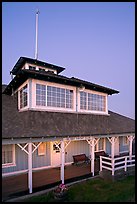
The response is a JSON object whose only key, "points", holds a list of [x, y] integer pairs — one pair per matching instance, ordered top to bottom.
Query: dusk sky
{"points": [[94, 41]]}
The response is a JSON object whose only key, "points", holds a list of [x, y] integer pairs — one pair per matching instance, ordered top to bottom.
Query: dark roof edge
{"points": [[22, 60], [58, 79], [78, 135]]}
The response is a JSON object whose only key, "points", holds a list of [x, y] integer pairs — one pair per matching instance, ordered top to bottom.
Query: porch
{"points": [[17, 185]]}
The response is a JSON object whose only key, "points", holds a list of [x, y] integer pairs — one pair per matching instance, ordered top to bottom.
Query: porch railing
{"points": [[113, 164]]}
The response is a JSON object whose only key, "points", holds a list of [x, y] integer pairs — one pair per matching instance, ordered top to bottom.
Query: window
{"points": [[32, 68], [42, 70], [40, 95], [23, 96], [53, 96], [59, 97], [83, 100], [92, 102], [96, 102], [125, 141], [100, 145], [56, 148], [42, 149], [8, 155]]}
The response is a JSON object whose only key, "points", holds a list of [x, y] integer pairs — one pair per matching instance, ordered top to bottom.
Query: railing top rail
{"points": [[103, 157], [123, 157]]}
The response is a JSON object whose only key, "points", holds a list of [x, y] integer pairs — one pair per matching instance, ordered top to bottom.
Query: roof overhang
{"points": [[22, 60], [23, 75], [63, 137]]}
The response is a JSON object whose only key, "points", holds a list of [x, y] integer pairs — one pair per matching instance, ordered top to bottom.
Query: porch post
{"points": [[112, 147], [130, 147], [112, 154], [92, 156], [62, 161], [30, 167]]}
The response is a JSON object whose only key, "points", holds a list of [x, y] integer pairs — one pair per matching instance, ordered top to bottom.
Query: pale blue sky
{"points": [[94, 41]]}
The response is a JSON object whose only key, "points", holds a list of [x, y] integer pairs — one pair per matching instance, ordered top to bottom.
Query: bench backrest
{"points": [[100, 153], [80, 157]]}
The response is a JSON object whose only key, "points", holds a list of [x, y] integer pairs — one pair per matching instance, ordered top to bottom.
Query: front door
{"points": [[116, 148], [55, 154]]}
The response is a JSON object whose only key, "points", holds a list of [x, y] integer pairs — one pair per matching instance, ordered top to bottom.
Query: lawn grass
{"points": [[95, 190]]}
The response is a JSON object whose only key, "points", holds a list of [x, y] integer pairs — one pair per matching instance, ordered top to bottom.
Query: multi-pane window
{"points": [[40, 95], [24, 96], [53, 96], [59, 97], [69, 98], [83, 100], [92, 102], [96, 102], [125, 141], [100, 145], [42, 149], [7, 154]]}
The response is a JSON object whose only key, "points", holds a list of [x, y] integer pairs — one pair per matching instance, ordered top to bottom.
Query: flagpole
{"points": [[36, 46]]}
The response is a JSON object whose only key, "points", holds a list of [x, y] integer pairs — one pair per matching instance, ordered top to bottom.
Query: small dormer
{"points": [[35, 65], [41, 69]]}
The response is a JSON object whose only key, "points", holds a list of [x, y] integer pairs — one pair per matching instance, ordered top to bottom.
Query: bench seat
{"points": [[80, 158]]}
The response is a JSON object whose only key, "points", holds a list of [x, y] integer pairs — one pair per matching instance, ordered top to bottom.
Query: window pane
{"points": [[40, 95], [23, 96], [59, 97], [83, 100], [96, 102], [101, 144], [7, 154]]}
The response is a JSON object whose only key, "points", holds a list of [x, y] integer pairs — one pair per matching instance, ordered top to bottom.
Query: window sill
{"points": [[8, 165]]}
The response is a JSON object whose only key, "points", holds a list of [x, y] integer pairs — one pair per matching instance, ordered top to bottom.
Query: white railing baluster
{"points": [[113, 162], [100, 163], [125, 163]]}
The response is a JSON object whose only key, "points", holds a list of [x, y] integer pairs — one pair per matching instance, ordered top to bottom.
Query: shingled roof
{"points": [[37, 124]]}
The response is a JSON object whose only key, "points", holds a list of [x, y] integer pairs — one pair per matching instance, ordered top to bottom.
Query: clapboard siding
{"points": [[76, 147], [123, 147], [42, 160], [21, 161]]}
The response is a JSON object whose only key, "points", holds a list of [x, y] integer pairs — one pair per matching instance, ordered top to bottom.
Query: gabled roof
{"points": [[22, 60], [23, 75], [37, 124]]}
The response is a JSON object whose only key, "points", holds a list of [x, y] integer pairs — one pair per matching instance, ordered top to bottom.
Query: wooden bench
{"points": [[100, 153], [80, 158]]}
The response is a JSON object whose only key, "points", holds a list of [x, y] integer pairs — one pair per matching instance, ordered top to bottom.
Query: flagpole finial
{"points": [[37, 11]]}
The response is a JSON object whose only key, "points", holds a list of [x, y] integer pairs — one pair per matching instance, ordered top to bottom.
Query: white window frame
{"points": [[28, 95], [51, 108], [93, 111], [125, 141], [97, 145], [40, 152], [13, 158]]}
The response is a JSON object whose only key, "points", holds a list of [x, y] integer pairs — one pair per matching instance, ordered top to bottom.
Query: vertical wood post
{"points": [[112, 147], [130, 147], [112, 155], [92, 156], [62, 161], [100, 163], [113, 163], [125, 163], [30, 167]]}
